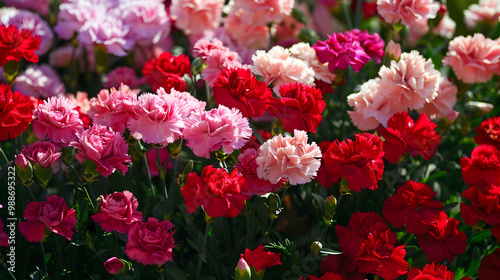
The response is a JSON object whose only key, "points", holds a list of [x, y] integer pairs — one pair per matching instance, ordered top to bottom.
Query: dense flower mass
{"points": [[195, 16], [15, 44], [40, 81], [15, 112], [485, 206], [118, 211]]}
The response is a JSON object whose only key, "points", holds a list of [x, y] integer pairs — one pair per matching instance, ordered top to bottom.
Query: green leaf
{"points": [[434, 176], [450, 206], [480, 236], [330, 252], [47, 257], [475, 261], [176, 273]]}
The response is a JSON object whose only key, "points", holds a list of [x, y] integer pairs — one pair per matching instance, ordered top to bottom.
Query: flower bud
{"points": [[476, 109], [43, 175], [344, 187], [274, 206], [316, 247], [115, 266], [242, 271]]}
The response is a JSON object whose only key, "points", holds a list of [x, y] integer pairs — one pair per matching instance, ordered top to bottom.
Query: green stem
{"points": [[358, 13], [347, 15], [255, 132], [4, 155], [161, 170], [149, 174], [31, 193], [92, 196], [338, 203], [204, 246], [43, 258], [12, 275]]}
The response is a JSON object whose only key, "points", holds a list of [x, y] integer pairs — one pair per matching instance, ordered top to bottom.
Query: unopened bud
{"points": [[316, 247], [242, 271]]}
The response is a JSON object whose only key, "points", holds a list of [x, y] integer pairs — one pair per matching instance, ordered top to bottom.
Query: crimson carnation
{"points": [[15, 45], [341, 51], [161, 72], [238, 88], [299, 107], [16, 112], [489, 132], [403, 135], [360, 162], [482, 169], [325, 178], [218, 191], [412, 206], [484, 206], [118, 211], [443, 240], [151, 242], [379, 255], [260, 259], [340, 265], [490, 266], [431, 271], [327, 276]]}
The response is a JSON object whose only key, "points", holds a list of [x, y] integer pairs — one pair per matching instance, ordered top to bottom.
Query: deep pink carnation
{"points": [[371, 43], [57, 120], [221, 127], [108, 149], [44, 153], [118, 211], [52, 215], [151, 242]]}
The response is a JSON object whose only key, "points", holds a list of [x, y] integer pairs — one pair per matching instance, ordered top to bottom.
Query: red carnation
{"points": [[15, 45], [167, 72], [238, 88], [299, 107], [16, 113], [489, 132], [403, 135], [359, 162], [482, 169], [325, 178], [218, 191], [412, 206], [485, 206], [444, 240], [379, 255], [260, 259], [339, 264], [490, 266], [431, 271], [327, 276]]}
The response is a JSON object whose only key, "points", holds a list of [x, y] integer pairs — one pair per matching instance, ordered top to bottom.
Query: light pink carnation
{"points": [[39, 6], [408, 11], [485, 11], [262, 12], [74, 14], [196, 16], [33, 22], [446, 27], [244, 34], [203, 47], [393, 50], [304, 52], [84, 56], [475, 59], [218, 60], [278, 67], [122, 75], [412, 80], [40, 81], [81, 100], [187, 102], [442, 105], [371, 106], [113, 108], [158, 119], [57, 120], [221, 127], [108, 149], [44, 153], [288, 158], [252, 184]]}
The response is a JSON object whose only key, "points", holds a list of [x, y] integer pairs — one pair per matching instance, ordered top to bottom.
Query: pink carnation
{"points": [[40, 6], [408, 11], [485, 11], [261, 13], [74, 14], [196, 16], [446, 27], [245, 34], [203, 47], [393, 50], [306, 53], [475, 59], [218, 60], [278, 67], [122, 75], [412, 80], [40, 81], [81, 100], [187, 102], [442, 105], [113, 109], [158, 119], [57, 120], [219, 128], [106, 148], [44, 153], [288, 158], [252, 184], [118, 211], [52, 215]]}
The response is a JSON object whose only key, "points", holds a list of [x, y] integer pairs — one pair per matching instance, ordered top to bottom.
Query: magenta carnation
{"points": [[44, 153], [118, 211]]}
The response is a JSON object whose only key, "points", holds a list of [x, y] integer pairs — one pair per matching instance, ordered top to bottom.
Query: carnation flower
{"points": [[40, 6], [407, 11], [485, 11], [263, 12], [74, 14], [196, 16], [446, 27], [246, 34], [371, 43], [15, 45], [203, 47], [393, 50], [340, 51], [307, 54], [474, 59], [218, 60], [278, 67], [167, 71], [122, 75], [40, 81], [412, 81], [238, 88], [187, 102], [442, 105], [113, 108], [299, 108], [16, 112], [157, 119], [57, 120], [219, 128], [489, 132], [403, 135], [44, 153], [289, 158], [359, 162], [482, 169], [324, 177], [218, 191], [412, 206], [485, 206], [118, 212], [52, 215], [443, 240], [151, 242], [259, 259], [114, 265], [490, 265], [342, 266], [431, 271], [327, 276]]}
